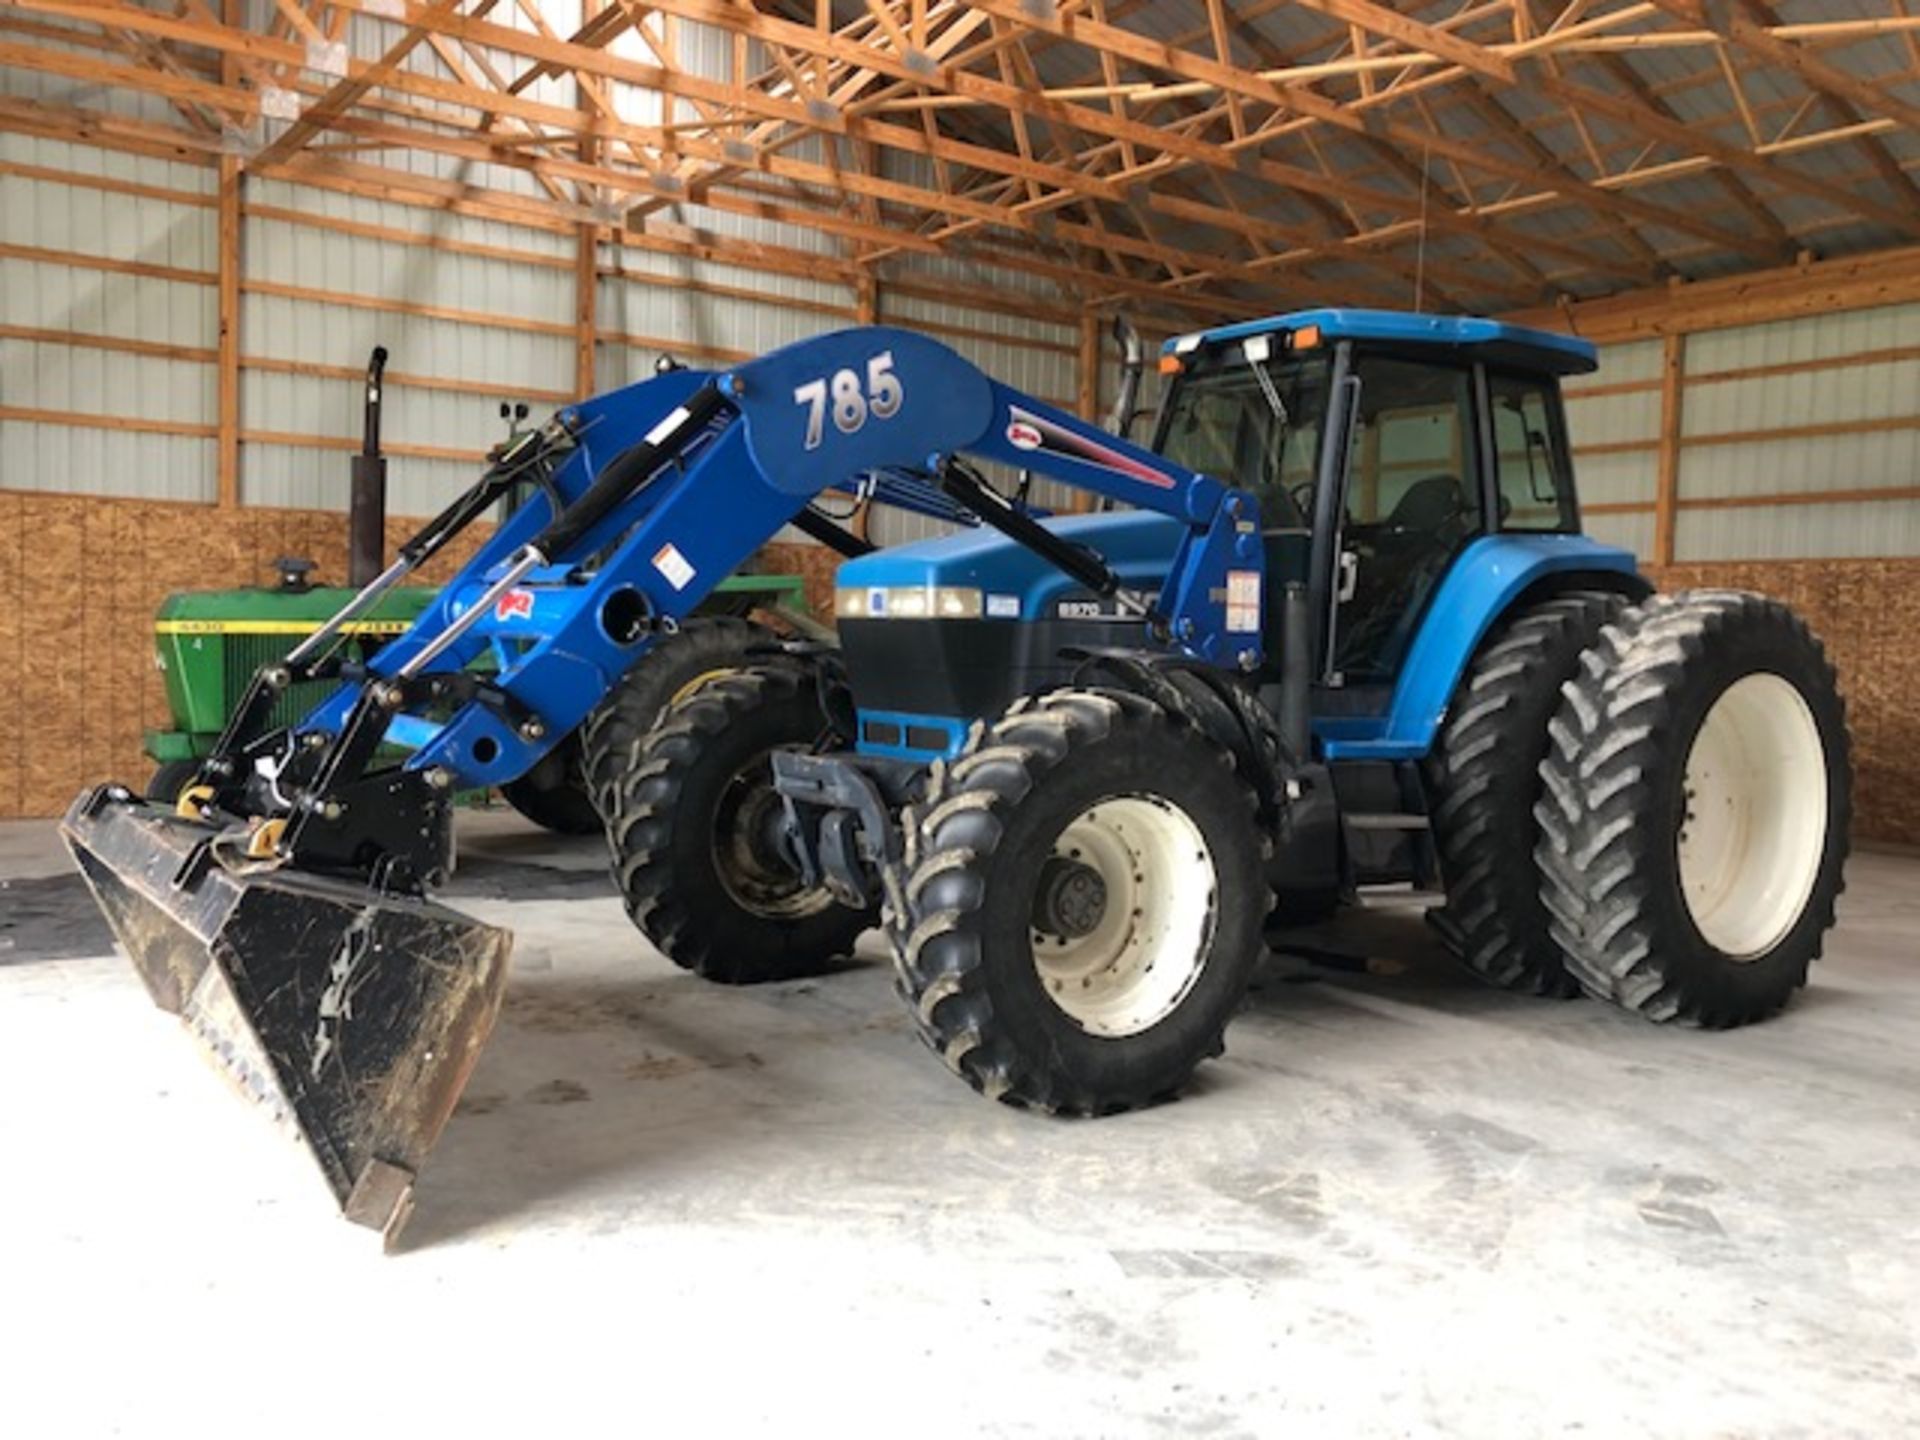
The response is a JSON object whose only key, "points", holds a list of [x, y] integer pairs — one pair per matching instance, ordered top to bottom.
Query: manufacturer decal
{"points": [[1028, 431], [671, 563], [514, 605], [1003, 607]]}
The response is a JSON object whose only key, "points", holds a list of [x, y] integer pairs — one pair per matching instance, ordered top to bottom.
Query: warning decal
{"points": [[671, 563]]}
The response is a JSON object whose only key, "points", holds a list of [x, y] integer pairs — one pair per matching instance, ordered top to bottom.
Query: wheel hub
{"points": [[1071, 900], [1123, 914]]}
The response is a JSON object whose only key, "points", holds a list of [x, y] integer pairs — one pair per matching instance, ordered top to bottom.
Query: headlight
{"points": [[908, 602]]}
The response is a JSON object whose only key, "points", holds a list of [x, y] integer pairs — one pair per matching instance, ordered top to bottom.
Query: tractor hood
{"points": [[1010, 581]]}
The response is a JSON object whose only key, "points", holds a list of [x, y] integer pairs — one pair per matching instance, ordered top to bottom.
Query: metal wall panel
{"points": [[46, 295], [1882, 396], [1834, 530]]}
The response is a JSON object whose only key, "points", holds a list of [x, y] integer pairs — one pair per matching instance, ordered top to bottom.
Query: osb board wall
{"points": [[814, 564], [80, 578], [1867, 614]]}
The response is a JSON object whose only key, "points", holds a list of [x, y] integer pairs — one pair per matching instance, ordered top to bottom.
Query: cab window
{"points": [[1223, 421], [1530, 455]]}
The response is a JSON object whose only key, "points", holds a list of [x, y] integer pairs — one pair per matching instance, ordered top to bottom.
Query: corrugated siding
{"points": [[44, 294], [499, 362], [1866, 423], [1617, 477]]}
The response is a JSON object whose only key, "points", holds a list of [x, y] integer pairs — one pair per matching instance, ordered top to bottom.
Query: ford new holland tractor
{"points": [[1336, 625]]}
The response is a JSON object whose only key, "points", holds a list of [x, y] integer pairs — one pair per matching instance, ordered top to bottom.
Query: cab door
{"points": [[1410, 499]]}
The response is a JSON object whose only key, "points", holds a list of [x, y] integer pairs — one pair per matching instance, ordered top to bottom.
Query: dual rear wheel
{"points": [[1647, 804]]}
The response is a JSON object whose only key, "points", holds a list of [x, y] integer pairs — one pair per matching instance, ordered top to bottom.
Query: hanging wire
{"points": [[1420, 251]]}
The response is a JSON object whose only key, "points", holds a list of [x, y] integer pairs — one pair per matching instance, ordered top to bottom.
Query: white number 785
{"points": [[882, 398]]}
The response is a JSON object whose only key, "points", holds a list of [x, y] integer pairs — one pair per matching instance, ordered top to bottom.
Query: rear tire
{"points": [[701, 649], [1483, 781], [553, 794], [1697, 800], [693, 839], [1038, 985]]}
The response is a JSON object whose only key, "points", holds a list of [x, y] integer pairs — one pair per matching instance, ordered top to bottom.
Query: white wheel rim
{"points": [[1756, 817], [1139, 961]]}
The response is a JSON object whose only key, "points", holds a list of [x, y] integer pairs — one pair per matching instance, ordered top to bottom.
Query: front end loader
{"points": [[1337, 625]]}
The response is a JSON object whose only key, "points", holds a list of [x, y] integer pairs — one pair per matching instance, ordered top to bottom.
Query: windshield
{"points": [[1252, 424]]}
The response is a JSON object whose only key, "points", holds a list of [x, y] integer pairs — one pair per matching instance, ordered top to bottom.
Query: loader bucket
{"points": [[354, 1016]]}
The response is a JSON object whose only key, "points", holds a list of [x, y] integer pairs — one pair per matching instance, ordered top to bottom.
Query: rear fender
{"points": [[1492, 575]]}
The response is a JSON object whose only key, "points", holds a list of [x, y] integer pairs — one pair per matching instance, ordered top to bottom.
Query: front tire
{"points": [[702, 649], [1696, 806], [695, 835], [1081, 903]]}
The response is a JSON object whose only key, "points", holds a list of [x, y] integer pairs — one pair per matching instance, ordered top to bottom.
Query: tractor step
{"points": [[1387, 821]]}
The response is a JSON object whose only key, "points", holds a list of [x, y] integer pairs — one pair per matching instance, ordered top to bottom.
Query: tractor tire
{"points": [[700, 650], [170, 779], [1483, 781], [553, 794], [1695, 813], [695, 850], [1080, 905]]}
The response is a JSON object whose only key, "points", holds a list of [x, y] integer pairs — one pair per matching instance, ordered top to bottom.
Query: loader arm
{"points": [[675, 481]]}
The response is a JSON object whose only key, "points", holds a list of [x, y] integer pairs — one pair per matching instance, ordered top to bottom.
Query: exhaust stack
{"points": [[367, 505]]}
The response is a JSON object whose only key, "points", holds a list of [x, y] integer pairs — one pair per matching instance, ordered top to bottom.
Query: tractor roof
{"points": [[1492, 340]]}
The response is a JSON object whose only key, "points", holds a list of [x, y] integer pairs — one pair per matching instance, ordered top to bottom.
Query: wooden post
{"points": [[586, 255], [866, 298], [586, 308], [227, 359], [1088, 400], [1666, 495]]}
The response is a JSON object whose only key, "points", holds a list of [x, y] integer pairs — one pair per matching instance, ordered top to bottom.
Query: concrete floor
{"points": [[1403, 1205]]}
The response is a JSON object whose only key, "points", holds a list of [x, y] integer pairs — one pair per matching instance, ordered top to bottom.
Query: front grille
{"points": [[245, 654]]}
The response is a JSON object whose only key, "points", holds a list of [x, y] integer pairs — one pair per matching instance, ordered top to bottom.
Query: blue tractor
{"points": [[1335, 626]]}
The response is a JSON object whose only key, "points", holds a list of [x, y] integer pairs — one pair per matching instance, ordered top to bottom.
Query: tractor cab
{"points": [[1381, 447]]}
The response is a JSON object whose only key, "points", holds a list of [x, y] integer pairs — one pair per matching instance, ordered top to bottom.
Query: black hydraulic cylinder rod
{"points": [[629, 470], [472, 503], [367, 504], [836, 537], [1082, 564], [1296, 670]]}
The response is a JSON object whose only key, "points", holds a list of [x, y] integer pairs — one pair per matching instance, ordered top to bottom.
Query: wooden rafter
{"points": [[1215, 170]]}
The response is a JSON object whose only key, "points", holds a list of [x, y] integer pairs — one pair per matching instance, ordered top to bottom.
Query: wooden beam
{"points": [[337, 101], [1887, 277], [227, 306], [1673, 361]]}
